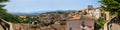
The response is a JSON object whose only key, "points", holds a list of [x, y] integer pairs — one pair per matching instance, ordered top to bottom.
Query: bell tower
{"points": [[90, 7]]}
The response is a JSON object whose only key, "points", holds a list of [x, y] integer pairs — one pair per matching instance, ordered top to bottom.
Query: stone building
{"points": [[93, 12], [22, 17], [81, 23]]}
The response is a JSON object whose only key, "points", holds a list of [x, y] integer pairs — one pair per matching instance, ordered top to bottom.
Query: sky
{"points": [[27, 6]]}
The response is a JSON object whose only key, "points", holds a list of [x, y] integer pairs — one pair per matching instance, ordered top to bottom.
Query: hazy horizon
{"points": [[28, 6]]}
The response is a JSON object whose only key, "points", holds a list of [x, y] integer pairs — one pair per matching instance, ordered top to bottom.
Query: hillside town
{"points": [[104, 17], [87, 19]]}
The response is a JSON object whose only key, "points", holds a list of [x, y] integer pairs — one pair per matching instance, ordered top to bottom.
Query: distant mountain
{"points": [[53, 11], [41, 12]]}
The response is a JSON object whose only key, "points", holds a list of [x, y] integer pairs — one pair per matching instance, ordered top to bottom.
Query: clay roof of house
{"points": [[83, 17], [75, 18], [76, 25]]}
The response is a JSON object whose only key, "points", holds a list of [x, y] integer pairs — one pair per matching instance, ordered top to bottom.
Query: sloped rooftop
{"points": [[83, 17]]}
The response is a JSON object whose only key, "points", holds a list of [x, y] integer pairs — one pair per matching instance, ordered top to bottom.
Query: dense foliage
{"points": [[1, 1], [112, 6], [6, 16], [11, 18], [101, 23]]}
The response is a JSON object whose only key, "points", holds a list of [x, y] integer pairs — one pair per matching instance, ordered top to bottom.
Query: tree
{"points": [[1, 1], [113, 6], [2, 9], [6, 16], [11, 18], [101, 23]]}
